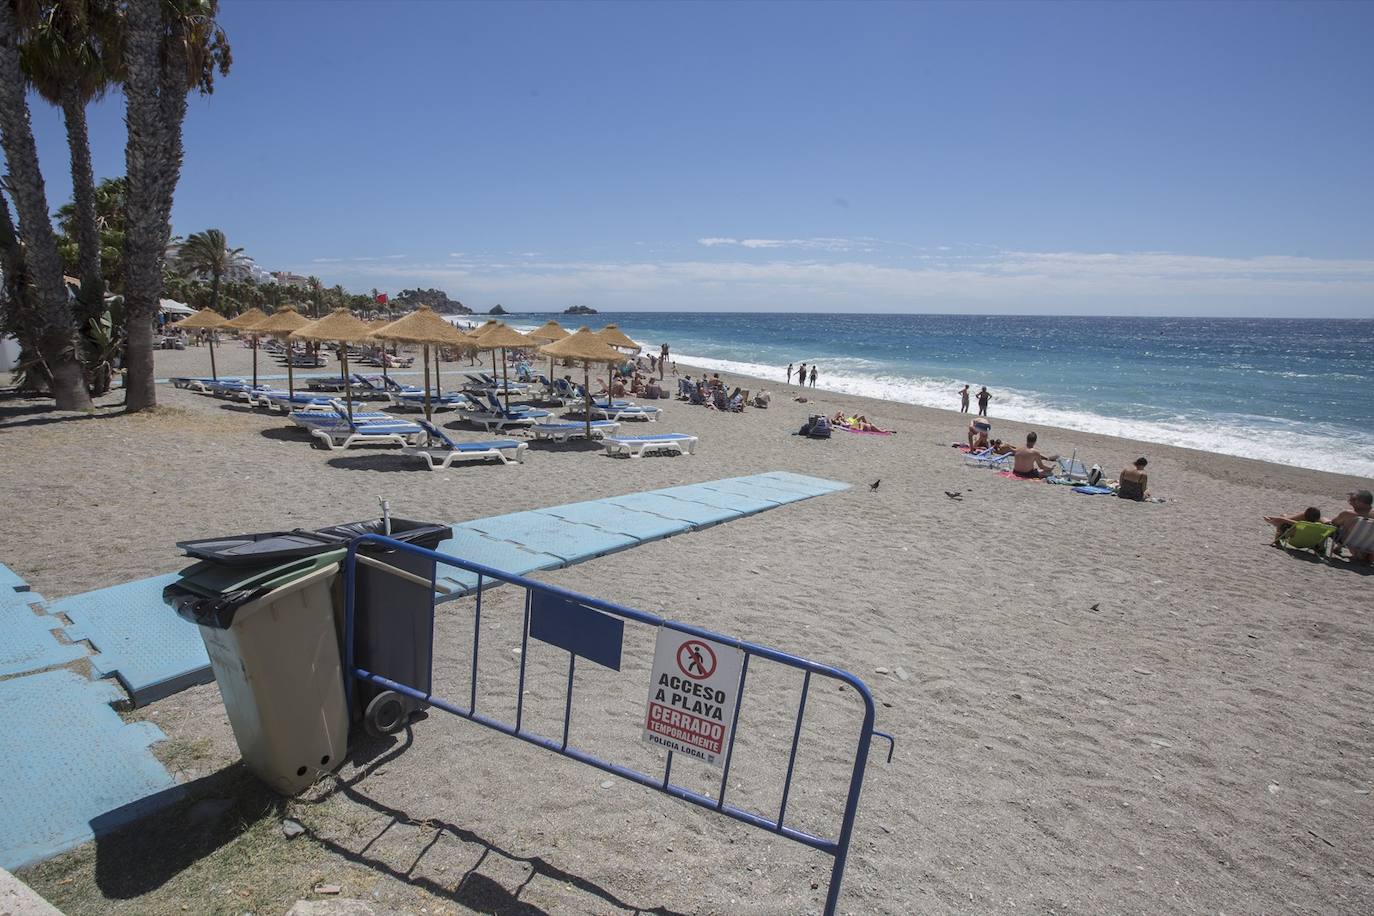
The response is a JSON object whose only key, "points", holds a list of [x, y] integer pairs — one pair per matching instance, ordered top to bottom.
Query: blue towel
{"points": [[1094, 491]]}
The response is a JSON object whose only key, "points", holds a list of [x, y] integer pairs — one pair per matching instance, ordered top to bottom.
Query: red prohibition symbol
{"points": [[696, 660]]}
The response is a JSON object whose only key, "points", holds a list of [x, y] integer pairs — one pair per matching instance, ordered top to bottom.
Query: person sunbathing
{"points": [[998, 447], [1028, 462], [1361, 507], [1282, 523]]}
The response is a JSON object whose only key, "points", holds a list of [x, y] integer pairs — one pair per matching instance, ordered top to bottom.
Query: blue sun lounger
{"points": [[636, 446], [441, 451]]}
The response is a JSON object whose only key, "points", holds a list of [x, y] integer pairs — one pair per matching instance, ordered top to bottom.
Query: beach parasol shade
{"points": [[204, 320], [249, 321], [280, 324], [339, 325], [424, 326], [548, 332], [503, 337], [615, 338], [587, 348]]}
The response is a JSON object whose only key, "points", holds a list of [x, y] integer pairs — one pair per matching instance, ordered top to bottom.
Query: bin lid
{"points": [[260, 548], [211, 579]]}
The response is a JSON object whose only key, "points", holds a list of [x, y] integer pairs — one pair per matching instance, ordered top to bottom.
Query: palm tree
{"points": [[171, 47], [64, 56], [208, 253], [315, 287], [54, 328]]}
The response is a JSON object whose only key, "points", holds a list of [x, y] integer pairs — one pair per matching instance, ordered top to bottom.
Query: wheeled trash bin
{"points": [[274, 649]]}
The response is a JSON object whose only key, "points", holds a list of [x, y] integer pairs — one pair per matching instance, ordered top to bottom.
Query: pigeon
{"points": [[874, 484], [955, 495]]}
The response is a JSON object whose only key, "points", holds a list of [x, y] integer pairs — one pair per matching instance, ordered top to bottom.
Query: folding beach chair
{"points": [[1313, 536]]}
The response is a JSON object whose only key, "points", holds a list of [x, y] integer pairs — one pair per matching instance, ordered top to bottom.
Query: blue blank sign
{"points": [[582, 631]]}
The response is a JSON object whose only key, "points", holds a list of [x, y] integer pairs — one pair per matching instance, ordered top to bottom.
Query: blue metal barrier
{"points": [[838, 847]]}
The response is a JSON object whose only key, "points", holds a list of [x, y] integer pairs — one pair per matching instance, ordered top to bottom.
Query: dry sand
{"points": [[1108, 707]]}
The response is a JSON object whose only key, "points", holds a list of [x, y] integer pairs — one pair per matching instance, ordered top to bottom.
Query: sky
{"points": [[1063, 158]]}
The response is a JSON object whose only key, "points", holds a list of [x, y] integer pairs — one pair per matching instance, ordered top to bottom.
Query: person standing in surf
{"points": [[789, 373], [801, 375], [813, 376], [983, 397], [963, 399]]}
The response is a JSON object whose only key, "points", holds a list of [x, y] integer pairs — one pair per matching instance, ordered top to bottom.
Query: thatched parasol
{"points": [[204, 320], [249, 321], [280, 324], [339, 325], [423, 326], [548, 332], [615, 337], [501, 338], [587, 348]]}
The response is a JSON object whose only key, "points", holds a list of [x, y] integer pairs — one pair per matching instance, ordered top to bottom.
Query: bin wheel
{"points": [[386, 714]]}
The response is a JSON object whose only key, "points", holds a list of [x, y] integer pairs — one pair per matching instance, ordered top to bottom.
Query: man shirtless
{"points": [[1028, 462], [1361, 506]]}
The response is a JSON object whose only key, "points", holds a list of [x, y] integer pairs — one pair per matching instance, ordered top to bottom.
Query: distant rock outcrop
{"points": [[436, 299], [497, 310], [579, 310]]}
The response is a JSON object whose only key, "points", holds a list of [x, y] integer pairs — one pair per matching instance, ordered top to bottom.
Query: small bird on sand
{"points": [[874, 484], [957, 494]]}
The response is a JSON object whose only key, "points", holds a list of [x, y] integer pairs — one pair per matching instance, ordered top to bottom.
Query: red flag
{"points": [[381, 298]]}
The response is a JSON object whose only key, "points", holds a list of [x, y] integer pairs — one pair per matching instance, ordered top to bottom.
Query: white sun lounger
{"points": [[629, 412], [391, 431], [562, 432], [636, 446], [442, 452]]}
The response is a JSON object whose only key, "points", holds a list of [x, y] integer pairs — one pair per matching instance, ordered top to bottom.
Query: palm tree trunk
{"points": [[156, 93], [91, 302], [19, 317], [54, 328]]}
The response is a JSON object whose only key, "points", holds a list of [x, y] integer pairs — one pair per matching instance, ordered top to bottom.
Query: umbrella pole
{"points": [[210, 337], [255, 361], [290, 373], [384, 378], [348, 381], [438, 383], [505, 383], [587, 393], [428, 415]]}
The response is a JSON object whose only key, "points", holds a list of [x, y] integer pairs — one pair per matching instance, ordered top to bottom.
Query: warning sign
{"points": [[692, 696]]}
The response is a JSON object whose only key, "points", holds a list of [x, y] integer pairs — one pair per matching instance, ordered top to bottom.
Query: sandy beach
{"points": [[1102, 706]]}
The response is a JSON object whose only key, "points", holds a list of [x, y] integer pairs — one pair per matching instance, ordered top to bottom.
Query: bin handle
{"points": [[409, 577]]}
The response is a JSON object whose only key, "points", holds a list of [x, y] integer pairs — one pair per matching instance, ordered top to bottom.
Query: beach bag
{"points": [[817, 427], [1095, 475]]}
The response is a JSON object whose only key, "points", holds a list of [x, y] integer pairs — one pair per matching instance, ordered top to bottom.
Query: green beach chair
{"points": [[1313, 536]]}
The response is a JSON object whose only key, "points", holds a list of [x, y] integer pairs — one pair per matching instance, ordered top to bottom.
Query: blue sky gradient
{"points": [[1064, 158]]}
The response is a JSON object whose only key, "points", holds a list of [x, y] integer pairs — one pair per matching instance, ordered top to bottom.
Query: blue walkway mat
{"points": [[815, 485], [769, 491], [739, 503], [698, 515], [642, 526], [571, 542], [498, 554], [10, 580], [137, 638], [27, 642], [70, 763]]}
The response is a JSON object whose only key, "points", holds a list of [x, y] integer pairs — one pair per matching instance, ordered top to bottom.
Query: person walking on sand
{"points": [[662, 360], [789, 373], [801, 374], [813, 376], [983, 397], [963, 399]]}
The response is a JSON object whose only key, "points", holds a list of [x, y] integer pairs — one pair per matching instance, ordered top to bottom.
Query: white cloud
{"points": [[712, 242], [989, 281]]}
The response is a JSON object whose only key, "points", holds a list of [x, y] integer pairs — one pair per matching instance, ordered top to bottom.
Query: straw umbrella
{"points": [[204, 320], [248, 322], [280, 324], [340, 326], [422, 326], [548, 332], [476, 333], [501, 338], [616, 338], [586, 348]]}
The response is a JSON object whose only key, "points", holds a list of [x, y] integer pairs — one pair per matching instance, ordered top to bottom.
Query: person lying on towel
{"points": [[1028, 462]]}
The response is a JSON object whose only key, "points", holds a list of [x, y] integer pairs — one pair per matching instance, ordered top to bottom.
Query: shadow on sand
{"points": [[218, 809]]}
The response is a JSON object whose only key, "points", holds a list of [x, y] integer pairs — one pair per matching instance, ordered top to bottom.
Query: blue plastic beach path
{"points": [[137, 638], [27, 642], [72, 766]]}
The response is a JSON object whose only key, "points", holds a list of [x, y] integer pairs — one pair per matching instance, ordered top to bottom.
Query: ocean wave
{"points": [[1266, 439]]}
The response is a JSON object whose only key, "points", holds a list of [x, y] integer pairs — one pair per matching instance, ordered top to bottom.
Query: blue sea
{"points": [[1290, 391]]}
